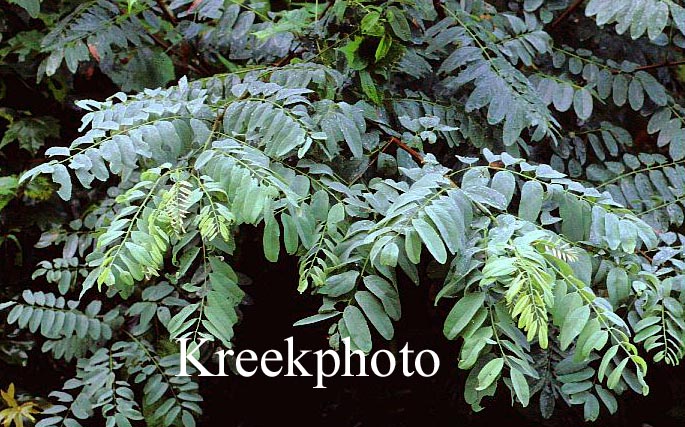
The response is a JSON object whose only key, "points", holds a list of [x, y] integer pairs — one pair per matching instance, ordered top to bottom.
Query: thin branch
{"points": [[167, 12], [567, 12], [164, 45], [167, 47], [289, 57], [663, 64], [649, 67], [620, 71], [393, 140], [415, 154], [371, 163], [644, 254]]}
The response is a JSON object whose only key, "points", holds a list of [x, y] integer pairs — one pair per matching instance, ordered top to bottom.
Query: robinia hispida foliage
{"points": [[367, 154]]}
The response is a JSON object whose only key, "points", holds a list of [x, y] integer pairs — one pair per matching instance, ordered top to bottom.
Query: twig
{"points": [[567, 12], [170, 16], [164, 45], [167, 47], [289, 57], [663, 64], [648, 67], [393, 140], [415, 154], [371, 163], [646, 256]]}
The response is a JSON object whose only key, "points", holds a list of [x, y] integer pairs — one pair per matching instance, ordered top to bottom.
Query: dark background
{"points": [[396, 400]]}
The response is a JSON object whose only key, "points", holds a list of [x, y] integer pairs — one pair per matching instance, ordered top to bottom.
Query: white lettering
{"points": [[188, 357], [265, 359], [239, 360], [348, 360], [374, 363], [419, 368], [320, 374]]}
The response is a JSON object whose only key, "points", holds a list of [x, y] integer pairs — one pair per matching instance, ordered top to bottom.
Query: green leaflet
{"points": [[369, 23], [398, 23], [369, 87], [635, 94], [582, 104], [351, 135], [60, 175], [504, 183], [531, 201], [575, 214], [290, 238], [271, 239], [431, 239], [412, 246], [498, 267], [340, 284], [618, 286], [386, 293], [375, 313], [462, 313], [315, 318], [177, 323], [573, 325], [357, 327], [473, 346], [606, 359], [489, 374], [615, 376], [520, 386], [607, 398], [591, 408]]}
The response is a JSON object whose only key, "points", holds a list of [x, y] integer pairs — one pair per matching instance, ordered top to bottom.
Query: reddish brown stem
{"points": [[165, 10], [566, 13], [164, 45], [285, 60], [663, 64], [650, 67], [415, 154], [371, 163], [646, 256]]}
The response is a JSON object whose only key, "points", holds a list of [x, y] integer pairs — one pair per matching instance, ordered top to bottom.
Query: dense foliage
{"points": [[527, 155]]}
